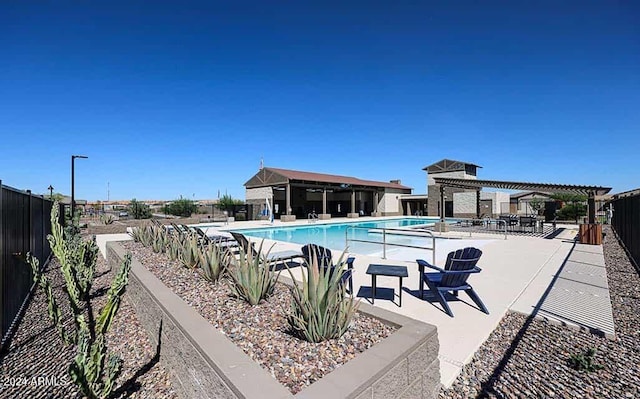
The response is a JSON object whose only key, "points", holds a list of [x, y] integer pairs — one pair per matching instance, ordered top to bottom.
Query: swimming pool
{"points": [[333, 235]]}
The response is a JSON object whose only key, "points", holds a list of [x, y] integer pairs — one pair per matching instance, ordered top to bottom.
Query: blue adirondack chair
{"points": [[323, 257], [453, 277]]}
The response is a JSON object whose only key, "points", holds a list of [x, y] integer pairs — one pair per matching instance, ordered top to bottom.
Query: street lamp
{"points": [[50, 188], [73, 202]]}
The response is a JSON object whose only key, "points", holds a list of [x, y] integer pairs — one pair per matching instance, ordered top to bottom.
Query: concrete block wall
{"points": [[205, 364]]}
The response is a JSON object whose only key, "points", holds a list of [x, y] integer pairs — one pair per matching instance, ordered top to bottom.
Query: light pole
{"points": [[50, 188], [73, 202]]}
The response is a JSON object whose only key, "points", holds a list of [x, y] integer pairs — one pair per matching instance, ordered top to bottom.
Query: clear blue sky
{"points": [[171, 99]]}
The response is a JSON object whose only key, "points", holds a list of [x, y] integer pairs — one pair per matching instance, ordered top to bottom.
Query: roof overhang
{"points": [[525, 186]]}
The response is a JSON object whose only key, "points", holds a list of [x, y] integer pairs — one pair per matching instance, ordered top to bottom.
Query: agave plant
{"points": [[143, 234], [159, 239], [174, 246], [189, 254], [214, 260], [251, 276], [320, 310]]}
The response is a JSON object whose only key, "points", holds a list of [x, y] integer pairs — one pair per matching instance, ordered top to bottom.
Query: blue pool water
{"points": [[334, 235]]}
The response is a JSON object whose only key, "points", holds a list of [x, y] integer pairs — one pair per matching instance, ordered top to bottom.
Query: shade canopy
{"points": [[512, 185]]}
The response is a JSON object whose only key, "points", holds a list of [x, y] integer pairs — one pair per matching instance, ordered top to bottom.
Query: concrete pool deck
{"points": [[517, 273]]}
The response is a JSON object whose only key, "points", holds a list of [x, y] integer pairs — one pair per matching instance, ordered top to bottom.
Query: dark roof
{"points": [[448, 165], [268, 176], [511, 185]]}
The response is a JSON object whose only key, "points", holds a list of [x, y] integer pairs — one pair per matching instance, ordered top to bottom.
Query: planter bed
{"points": [[406, 361]]}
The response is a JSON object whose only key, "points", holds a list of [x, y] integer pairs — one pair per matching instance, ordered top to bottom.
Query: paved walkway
{"points": [[578, 295]]}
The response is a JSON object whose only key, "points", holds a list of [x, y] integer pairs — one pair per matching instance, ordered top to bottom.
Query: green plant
{"points": [[226, 202], [536, 204], [181, 207], [139, 210], [572, 212], [107, 218], [143, 234], [159, 239], [174, 246], [189, 254], [214, 260], [251, 277], [320, 310], [55, 314], [584, 361], [94, 370]]}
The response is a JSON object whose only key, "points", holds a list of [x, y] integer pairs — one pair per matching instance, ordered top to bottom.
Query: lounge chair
{"points": [[275, 257], [324, 259], [459, 266]]}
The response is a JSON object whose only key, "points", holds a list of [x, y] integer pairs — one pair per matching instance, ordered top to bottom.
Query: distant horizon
{"points": [[170, 100]]}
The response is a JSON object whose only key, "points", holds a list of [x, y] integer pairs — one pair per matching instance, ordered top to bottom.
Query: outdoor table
{"points": [[386, 270]]}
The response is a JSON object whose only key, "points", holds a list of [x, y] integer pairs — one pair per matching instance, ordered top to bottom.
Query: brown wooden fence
{"points": [[24, 225]]}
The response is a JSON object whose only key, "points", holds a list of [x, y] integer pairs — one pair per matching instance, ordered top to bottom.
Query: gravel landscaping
{"points": [[262, 330], [526, 357], [35, 364]]}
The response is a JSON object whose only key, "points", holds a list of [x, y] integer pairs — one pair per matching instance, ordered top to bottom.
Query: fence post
{"points": [[29, 222], [44, 233], [2, 263]]}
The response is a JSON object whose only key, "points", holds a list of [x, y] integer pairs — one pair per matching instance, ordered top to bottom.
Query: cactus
{"points": [[214, 260], [251, 277], [320, 310], [55, 314], [90, 370]]}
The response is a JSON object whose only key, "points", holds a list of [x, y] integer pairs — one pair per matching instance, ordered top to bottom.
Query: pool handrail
{"points": [[396, 232]]}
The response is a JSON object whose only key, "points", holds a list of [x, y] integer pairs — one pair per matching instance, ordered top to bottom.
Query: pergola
{"points": [[477, 185]]}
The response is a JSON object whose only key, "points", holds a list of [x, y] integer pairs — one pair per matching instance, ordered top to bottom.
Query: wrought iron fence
{"points": [[626, 223], [24, 225]]}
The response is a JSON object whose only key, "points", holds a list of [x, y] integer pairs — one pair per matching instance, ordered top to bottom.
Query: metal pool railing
{"points": [[386, 232]]}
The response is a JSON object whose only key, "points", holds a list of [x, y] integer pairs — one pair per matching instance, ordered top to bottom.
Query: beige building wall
{"points": [[258, 193], [390, 202], [464, 204]]}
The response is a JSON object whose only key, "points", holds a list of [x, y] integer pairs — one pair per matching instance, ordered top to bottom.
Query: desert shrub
{"points": [[181, 207], [139, 210], [572, 212], [107, 218], [320, 309], [584, 361]]}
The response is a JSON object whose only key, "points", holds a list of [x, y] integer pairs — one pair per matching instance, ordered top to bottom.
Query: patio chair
{"points": [[275, 257], [324, 259], [453, 277]]}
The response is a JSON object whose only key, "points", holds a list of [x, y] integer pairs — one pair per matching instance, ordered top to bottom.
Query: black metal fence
{"points": [[626, 223], [24, 225]]}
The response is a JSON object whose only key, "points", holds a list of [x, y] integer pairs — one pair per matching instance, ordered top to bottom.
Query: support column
{"points": [[376, 199], [478, 204], [591, 205], [353, 213], [324, 215], [288, 217], [441, 226]]}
